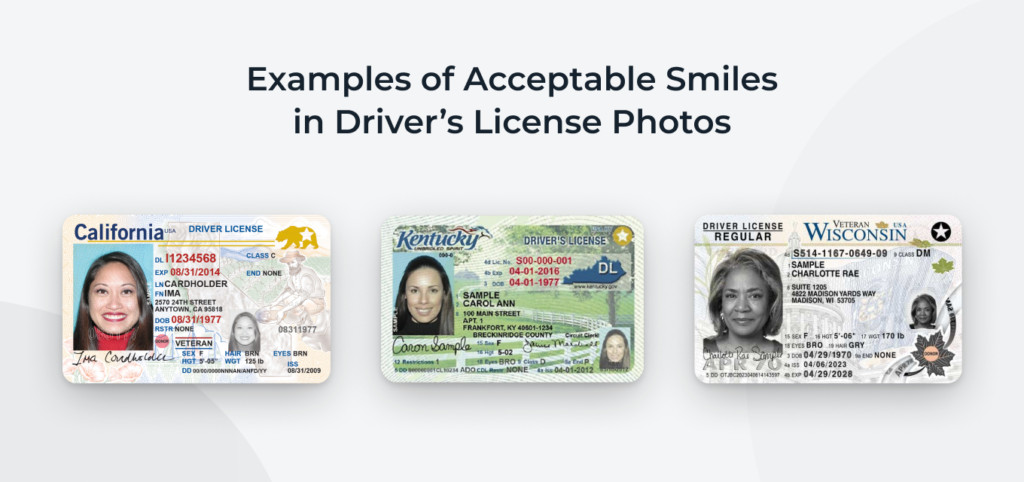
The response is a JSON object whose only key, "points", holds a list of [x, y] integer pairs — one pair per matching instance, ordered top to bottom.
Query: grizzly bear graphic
{"points": [[299, 237]]}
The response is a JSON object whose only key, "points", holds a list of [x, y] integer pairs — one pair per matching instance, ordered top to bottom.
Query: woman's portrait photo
{"points": [[745, 304], [423, 305], [114, 311], [922, 313], [245, 333], [615, 351]]}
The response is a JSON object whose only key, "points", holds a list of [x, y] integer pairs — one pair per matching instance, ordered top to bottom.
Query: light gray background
{"points": [[882, 107]]}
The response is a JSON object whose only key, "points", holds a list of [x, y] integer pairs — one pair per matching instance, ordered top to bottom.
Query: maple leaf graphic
{"points": [[881, 225], [920, 243], [942, 266], [932, 354]]}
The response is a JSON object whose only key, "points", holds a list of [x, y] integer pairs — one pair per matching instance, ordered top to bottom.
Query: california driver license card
{"points": [[196, 299], [512, 299], [828, 299]]}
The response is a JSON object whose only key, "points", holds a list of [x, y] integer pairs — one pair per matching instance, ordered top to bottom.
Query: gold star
{"points": [[622, 235]]}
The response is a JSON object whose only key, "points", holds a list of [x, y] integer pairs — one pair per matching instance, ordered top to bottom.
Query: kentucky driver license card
{"points": [[196, 299], [512, 299], [828, 299]]}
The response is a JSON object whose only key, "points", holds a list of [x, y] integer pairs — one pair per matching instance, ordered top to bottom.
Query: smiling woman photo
{"points": [[424, 302], [745, 304], [114, 312], [922, 313], [245, 333], [615, 351]]}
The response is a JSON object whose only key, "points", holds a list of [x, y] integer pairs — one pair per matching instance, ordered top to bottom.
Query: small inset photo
{"points": [[923, 312], [245, 334], [615, 351]]}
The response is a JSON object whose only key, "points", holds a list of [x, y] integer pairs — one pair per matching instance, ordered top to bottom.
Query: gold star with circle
{"points": [[622, 235]]}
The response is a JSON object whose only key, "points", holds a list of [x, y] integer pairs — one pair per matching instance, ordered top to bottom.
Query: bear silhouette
{"points": [[294, 237]]}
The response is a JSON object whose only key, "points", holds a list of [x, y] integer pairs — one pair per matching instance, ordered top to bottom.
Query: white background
{"points": [[882, 107]]}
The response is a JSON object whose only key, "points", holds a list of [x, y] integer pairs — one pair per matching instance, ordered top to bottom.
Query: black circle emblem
{"points": [[941, 231]]}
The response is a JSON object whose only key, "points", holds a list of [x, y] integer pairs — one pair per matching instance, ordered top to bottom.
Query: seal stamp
{"points": [[932, 354]]}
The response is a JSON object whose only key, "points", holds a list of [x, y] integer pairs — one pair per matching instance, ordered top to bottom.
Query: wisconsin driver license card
{"points": [[196, 299], [512, 299], [828, 299]]}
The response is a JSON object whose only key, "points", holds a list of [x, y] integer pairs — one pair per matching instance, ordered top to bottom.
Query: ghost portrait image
{"points": [[745, 304], [423, 305], [114, 312], [923, 312], [245, 334], [615, 351]]}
